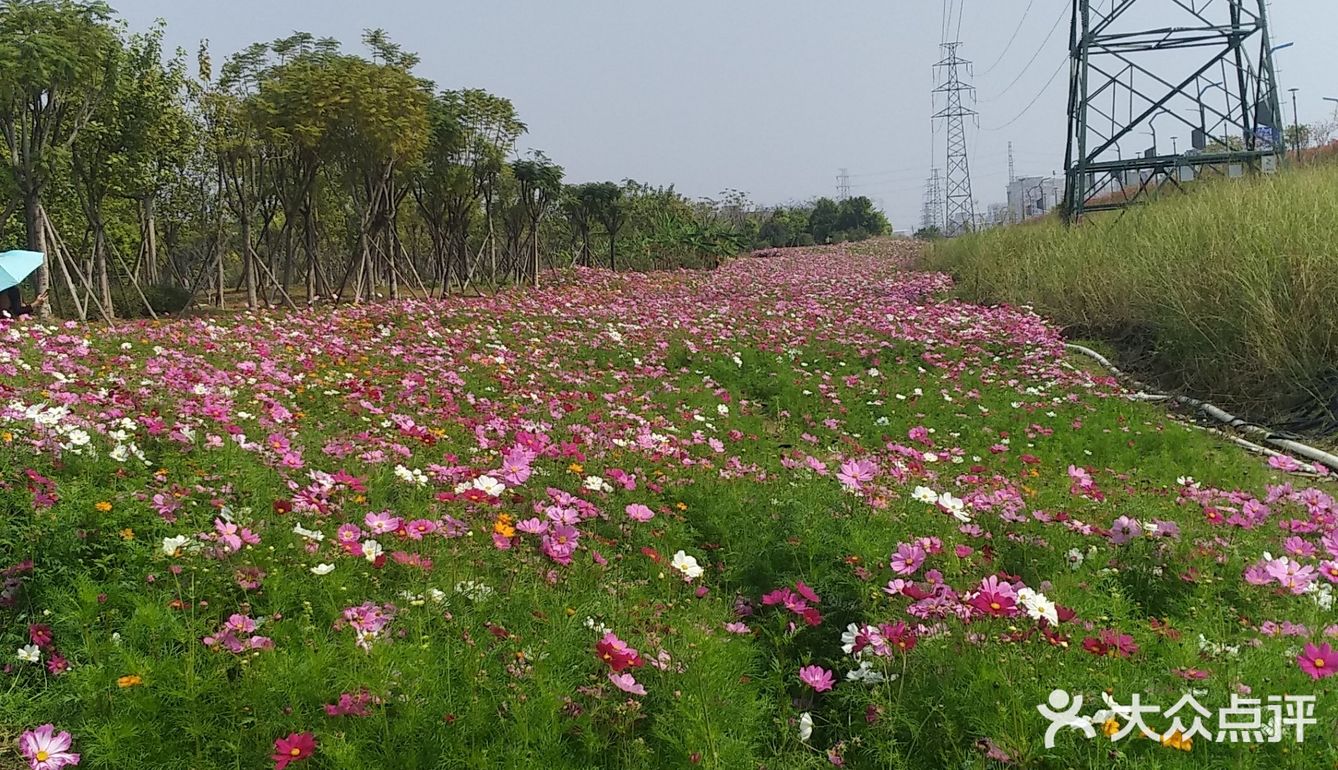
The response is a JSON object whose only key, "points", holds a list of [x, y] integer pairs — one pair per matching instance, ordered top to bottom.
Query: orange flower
{"points": [[576, 468], [103, 506], [503, 526], [127, 534], [129, 681], [1177, 740]]}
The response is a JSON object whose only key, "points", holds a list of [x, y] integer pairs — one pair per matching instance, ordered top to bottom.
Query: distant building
{"points": [[1032, 196]]}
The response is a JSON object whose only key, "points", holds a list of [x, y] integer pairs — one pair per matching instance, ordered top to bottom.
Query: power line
{"points": [[1012, 39], [1039, 50], [1032, 103]]}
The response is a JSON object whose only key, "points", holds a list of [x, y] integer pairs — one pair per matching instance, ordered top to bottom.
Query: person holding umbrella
{"points": [[14, 267]]}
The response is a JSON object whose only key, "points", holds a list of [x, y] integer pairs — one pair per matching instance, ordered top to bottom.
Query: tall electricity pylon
{"points": [[1208, 69], [959, 205], [931, 217]]}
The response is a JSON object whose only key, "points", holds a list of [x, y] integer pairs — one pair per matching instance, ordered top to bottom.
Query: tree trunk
{"points": [[33, 220], [151, 242], [248, 264], [100, 273]]}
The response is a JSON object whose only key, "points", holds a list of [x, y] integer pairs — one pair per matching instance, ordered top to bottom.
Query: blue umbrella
{"points": [[17, 265]]}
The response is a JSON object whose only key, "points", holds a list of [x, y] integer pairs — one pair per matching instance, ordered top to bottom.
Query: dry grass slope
{"points": [[1230, 292]]}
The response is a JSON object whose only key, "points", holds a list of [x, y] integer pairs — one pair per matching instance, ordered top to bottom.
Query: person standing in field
{"points": [[11, 303]]}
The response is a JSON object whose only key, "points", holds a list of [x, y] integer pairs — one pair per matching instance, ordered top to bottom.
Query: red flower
{"points": [[617, 653], [294, 748]]}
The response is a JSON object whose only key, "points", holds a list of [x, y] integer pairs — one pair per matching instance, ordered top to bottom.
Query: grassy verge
{"points": [[1227, 292]]}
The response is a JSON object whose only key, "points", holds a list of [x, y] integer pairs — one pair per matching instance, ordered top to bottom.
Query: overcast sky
{"points": [[772, 97]]}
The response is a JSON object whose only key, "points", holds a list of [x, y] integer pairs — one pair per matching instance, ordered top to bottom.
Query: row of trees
{"points": [[298, 169]]}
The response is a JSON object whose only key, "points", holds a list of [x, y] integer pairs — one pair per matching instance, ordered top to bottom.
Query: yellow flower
{"points": [[7, 436], [576, 468], [103, 506], [681, 506], [503, 526], [127, 534], [129, 681], [1110, 727], [1177, 740]]}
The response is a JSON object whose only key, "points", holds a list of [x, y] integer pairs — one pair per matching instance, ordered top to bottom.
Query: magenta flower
{"points": [[994, 598], [1319, 662], [817, 677], [627, 683], [295, 748], [45, 749]]}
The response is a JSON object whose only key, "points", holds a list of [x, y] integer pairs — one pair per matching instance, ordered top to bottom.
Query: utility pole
{"points": [[1119, 86], [1296, 125], [1011, 175], [843, 185], [960, 206]]}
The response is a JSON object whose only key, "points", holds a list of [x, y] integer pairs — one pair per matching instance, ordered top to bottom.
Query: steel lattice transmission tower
{"points": [[1208, 67], [843, 185], [959, 204], [931, 217]]}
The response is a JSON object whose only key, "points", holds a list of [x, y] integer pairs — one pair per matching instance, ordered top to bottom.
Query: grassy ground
{"points": [[1227, 293], [342, 567]]}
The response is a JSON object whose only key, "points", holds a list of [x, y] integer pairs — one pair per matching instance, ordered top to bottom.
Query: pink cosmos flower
{"points": [[855, 473], [639, 512], [382, 523], [1124, 529], [908, 558], [806, 592], [995, 598], [1319, 662], [817, 677], [627, 683], [294, 748], [45, 749]]}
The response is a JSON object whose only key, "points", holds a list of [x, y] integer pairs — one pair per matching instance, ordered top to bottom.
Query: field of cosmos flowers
{"points": [[802, 511]]}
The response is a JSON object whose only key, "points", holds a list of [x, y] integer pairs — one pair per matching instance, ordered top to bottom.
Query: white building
{"points": [[1032, 196]]}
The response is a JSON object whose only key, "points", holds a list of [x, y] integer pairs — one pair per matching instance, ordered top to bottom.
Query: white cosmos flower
{"points": [[722, 409], [489, 486], [925, 495], [955, 506], [309, 534], [173, 544], [371, 549], [687, 565], [325, 569], [1038, 606], [848, 638], [30, 653], [866, 674], [805, 726]]}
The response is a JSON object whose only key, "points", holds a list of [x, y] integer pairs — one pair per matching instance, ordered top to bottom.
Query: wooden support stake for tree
{"points": [[59, 244], [134, 282]]}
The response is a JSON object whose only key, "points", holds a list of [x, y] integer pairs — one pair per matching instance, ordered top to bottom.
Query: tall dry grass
{"points": [[1232, 290]]}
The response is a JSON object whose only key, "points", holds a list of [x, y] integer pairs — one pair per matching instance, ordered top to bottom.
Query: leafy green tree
{"points": [[55, 57], [540, 183], [609, 210], [824, 220]]}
